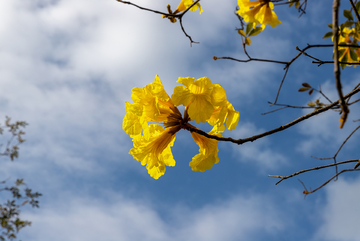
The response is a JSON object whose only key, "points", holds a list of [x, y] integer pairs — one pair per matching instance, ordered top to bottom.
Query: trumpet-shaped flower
{"points": [[185, 4], [258, 12], [201, 96], [203, 102], [222, 113], [154, 150], [208, 155]]}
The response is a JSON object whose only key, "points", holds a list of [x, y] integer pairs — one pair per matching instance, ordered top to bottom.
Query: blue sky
{"points": [[68, 66]]}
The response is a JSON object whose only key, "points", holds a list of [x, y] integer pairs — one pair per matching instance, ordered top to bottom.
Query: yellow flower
{"points": [[185, 4], [258, 12], [348, 54], [201, 96], [203, 102], [222, 113], [152, 142], [154, 150], [208, 155]]}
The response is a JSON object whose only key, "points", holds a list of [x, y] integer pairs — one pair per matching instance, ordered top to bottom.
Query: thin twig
{"points": [[355, 10], [179, 16], [335, 176], [282, 178]]}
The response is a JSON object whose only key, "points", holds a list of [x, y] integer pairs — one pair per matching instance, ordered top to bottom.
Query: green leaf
{"points": [[290, 4], [297, 4], [357, 6], [348, 15], [347, 24], [330, 25], [249, 26], [255, 31], [328, 35], [247, 41], [341, 52], [353, 55], [311, 91]]}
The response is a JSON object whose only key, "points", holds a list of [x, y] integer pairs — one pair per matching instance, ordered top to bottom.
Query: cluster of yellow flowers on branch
{"points": [[257, 15], [349, 35], [153, 120]]}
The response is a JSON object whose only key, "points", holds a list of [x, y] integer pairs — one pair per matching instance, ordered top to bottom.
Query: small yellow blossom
{"points": [[185, 4], [258, 12], [203, 101]]}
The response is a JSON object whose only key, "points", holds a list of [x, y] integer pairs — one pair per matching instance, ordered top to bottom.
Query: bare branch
{"points": [[355, 10], [168, 15], [310, 169], [325, 183]]}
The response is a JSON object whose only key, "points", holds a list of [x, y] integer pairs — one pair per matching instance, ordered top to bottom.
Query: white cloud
{"points": [[323, 130], [259, 151], [340, 214], [127, 219]]}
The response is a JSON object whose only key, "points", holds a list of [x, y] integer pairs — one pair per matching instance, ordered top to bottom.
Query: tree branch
{"points": [[281, 128], [282, 178]]}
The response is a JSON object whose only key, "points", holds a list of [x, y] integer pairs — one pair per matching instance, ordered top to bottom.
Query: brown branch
{"points": [[148, 9], [355, 10], [179, 16], [253, 59], [320, 62], [287, 64], [337, 72], [284, 106], [281, 128], [337, 152], [282, 178], [325, 183]]}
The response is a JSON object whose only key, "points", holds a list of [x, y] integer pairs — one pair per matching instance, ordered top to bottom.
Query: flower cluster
{"points": [[258, 12], [257, 15], [203, 101]]}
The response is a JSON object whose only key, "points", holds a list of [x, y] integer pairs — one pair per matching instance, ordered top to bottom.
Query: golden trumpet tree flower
{"points": [[185, 4], [258, 12], [203, 101]]}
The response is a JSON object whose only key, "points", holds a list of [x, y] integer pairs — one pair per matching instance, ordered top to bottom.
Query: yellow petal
{"points": [[188, 3], [185, 4], [268, 16], [186, 81], [157, 89], [218, 95], [181, 96], [136, 108], [200, 109], [232, 117], [232, 120], [131, 124], [155, 152], [208, 155]]}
